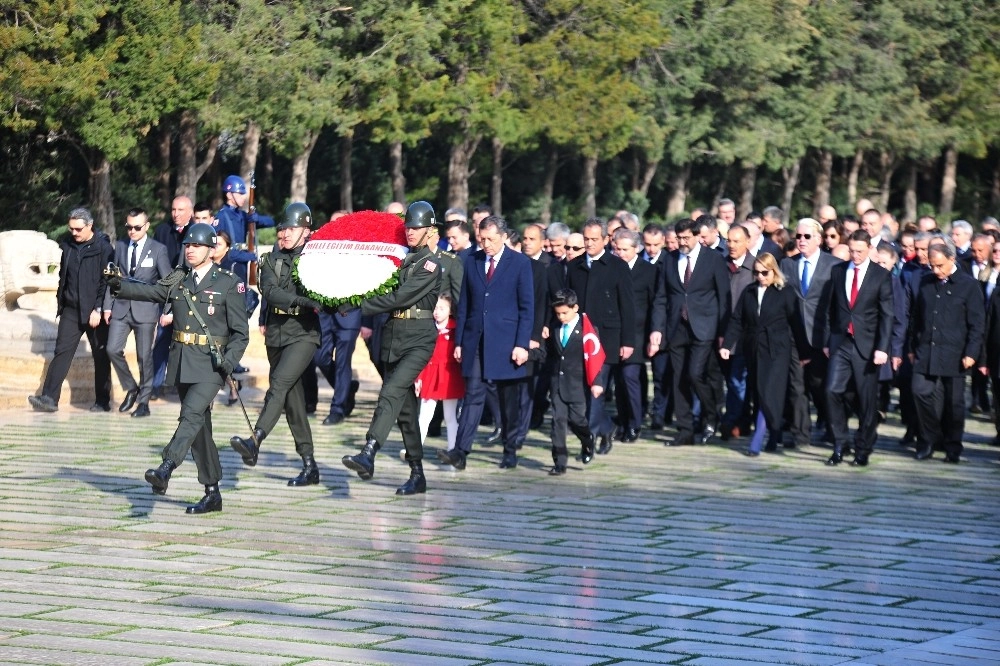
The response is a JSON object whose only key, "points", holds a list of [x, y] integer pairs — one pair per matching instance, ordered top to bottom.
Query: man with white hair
{"points": [[961, 234]]}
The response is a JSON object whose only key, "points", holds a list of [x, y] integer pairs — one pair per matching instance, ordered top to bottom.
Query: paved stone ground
{"points": [[650, 555]]}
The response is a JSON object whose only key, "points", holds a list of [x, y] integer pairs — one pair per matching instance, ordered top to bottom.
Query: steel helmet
{"points": [[235, 185], [297, 214], [420, 214], [200, 233]]}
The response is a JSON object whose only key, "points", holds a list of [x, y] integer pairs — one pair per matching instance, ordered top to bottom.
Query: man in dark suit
{"points": [[708, 231], [532, 241], [759, 241], [145, 260], [740, 263], [809, 275], [603, 284], [689, 316], [861, 317], [492, 337], [945, 340], [990, 364], [631, 378]]}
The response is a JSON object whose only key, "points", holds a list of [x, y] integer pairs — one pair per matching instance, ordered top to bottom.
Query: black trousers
{"points": [[118, 330], [67, 340], [690, 358], [847, 363], [807, 382], [285, 392], [510, 394], [628, 397], [662, 407], [940, 409], [566, 415], [194, 432]]}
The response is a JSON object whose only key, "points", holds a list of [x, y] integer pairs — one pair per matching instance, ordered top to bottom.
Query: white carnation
{"points": [[342, 275]]}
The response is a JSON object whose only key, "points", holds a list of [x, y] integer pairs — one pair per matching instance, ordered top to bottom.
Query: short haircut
{"points": [[726, 202], [200, 206], [483, 208], [773, 211], [136, 212], [457, 212], [81, 214], [755, 217], [495, 221], [707, 221], [596, 222], [686, 224], [812, 224], [963, 225], [463, 226], [653, 228], [740, 228], [541, 229], [557, 231], [627, 234], [860, 235], [889, 248], [943, 249], [565, 297]]}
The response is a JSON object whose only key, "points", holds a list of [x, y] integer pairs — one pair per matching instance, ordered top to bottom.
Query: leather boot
{"points": [[247, 448], [363, 463], [309, 476], [159, 478], [416, 483], [212, 501]]}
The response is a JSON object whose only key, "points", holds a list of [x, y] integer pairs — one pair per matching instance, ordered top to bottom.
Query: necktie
{"points": [[133, 251], [733, 267], [489, 270], [687, 270], [194, 277], [805, 277], [854, 296], [565, 334]]}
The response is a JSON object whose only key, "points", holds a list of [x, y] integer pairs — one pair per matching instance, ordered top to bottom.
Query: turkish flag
{"points": [[593, 353]]}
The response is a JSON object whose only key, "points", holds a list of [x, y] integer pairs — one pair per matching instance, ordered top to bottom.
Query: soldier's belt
{"points": [[290, 312], [413, 313], [195, 339]]}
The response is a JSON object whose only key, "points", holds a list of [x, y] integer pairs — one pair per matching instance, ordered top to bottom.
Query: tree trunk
{"points": [[250, 150], [187, 158], [887, 161], [300, 167], [396, 171], [458, 171], [648, 173], [791, 176], [346, 177], [824, 177], [852, 178], [748, 179], [948, 181], [496, 182], [549, 185], [588, 187], [995, 190], [163, 192], [678, 192], [910, 200], [102, 204]]}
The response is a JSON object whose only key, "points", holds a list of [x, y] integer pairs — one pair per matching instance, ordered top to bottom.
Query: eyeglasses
{"points": [[135, 227], [77, 230], [806, 236], [574, 248], [764, 272]]}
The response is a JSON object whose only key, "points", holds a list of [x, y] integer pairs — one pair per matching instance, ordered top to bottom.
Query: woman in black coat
{"points": [[766, 323]]}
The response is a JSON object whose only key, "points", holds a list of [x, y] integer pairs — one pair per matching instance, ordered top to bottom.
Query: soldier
{"points": [[232, 218], [210, 335], [291, 337], [407, 344]]}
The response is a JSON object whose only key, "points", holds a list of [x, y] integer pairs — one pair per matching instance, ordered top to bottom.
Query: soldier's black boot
{"points": [[247, 448], [364, 462], [309, 476], [159, 478], [416, 483], [212, 501]]}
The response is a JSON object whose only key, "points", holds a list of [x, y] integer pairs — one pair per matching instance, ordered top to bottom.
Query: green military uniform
{"points": [[451, 276], [219, 299], [291, 339], [407, 344]]}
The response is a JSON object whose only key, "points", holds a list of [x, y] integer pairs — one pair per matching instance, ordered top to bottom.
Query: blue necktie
{"points": [[805, 276], [565, 334]]}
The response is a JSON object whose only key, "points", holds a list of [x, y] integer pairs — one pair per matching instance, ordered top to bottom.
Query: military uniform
{"points": [[451, 276], [219, 299]]}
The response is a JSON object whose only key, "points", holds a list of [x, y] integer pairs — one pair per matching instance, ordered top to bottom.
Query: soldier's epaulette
{"points": [[450, 255], [226, 271]]}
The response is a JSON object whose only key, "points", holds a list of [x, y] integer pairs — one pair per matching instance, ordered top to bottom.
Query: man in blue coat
{"points": [[493, 335]]}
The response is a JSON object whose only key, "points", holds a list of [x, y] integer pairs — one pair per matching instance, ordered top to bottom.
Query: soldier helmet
{"points": [[235, 185], [297, 214], [419, 215], [200, 233]]}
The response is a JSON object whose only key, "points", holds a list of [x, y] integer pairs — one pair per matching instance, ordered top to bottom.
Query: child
{"points": [[442, 378], [569, 382]]}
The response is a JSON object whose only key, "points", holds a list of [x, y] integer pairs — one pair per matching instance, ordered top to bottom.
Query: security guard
{"points": [[232, 218], [208, 303], [291, 338], [407, 344]]}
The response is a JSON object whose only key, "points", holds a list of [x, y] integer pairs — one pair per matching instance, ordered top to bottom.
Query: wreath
{"points": [[352, 258]]}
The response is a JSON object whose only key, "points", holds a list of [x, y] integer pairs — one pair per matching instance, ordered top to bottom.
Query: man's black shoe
{"points": [[129, 401], [42, 403], [100, 407], [141, 410], [333, 419], [631, 434], [494, 436], [605, 447], [248, 449], [924, 453], [455, 458], [835, 459], [860, 460], [508, 462], [363, 463], [309, 476], [159, 478], [212, 501]]}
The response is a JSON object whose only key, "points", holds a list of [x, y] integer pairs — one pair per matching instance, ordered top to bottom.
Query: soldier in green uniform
{"points": [[451, 268], [209, 307], [291, 337], [407, 344]]}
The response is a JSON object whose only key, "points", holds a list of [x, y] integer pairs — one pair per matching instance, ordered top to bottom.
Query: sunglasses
{"points": [[134, 227], [806, 236], [574, 248], [764, 272]]}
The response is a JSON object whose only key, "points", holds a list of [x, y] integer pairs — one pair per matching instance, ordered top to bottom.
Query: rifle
{"points": [[252, 232]]}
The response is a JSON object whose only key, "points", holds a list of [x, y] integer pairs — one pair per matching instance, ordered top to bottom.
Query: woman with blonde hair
{"points": [[766, 323]]}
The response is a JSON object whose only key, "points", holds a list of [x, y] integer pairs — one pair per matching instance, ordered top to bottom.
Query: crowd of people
{"points": [[715, 327]]}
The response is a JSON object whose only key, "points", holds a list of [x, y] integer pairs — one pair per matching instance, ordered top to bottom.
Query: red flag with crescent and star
{"points": [[593, 352]]}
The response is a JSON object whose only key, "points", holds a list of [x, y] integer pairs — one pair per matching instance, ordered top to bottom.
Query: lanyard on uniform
{"points": [[200, 319]]}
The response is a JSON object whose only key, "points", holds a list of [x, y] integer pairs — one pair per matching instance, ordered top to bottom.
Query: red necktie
{"points": [[489, 271], [854, 296]]}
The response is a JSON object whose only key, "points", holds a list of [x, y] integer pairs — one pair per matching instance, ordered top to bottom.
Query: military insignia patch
{"points": [[430, 266], [240, 287]]}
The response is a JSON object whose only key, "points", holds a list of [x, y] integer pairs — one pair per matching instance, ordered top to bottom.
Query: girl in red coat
{"points": [[442, 378]]}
